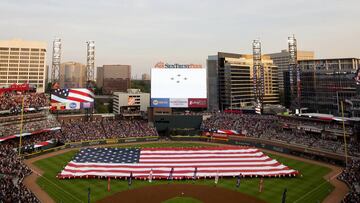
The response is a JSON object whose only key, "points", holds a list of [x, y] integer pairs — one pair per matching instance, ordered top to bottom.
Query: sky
{"points": [[142, 32]]}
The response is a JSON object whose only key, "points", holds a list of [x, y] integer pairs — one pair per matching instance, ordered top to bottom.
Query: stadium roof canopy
{"points": [[328, 117]]}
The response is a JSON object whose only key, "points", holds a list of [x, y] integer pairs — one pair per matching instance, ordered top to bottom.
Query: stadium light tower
{"points": [[56, 60], [90, 61], [294, 68], [258, 76]]}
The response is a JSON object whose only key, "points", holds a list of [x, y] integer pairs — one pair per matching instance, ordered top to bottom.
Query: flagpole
{"points": [[343, 122], [21, 124]]}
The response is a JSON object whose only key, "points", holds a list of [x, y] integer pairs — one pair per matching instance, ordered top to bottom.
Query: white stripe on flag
{"points": [[59, 99]]}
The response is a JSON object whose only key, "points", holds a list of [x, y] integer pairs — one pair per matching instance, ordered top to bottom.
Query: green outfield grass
{"points": [[310, 187]]}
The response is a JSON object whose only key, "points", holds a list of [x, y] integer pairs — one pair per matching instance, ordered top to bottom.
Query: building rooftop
{"points": [[19, 43]]}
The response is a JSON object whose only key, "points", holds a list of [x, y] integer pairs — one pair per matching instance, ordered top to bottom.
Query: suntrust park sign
{"points": [[176, 65]]}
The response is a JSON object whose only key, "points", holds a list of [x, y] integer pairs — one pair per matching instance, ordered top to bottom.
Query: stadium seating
{"points": [[12, 101], [270, 127], [12, 173], [351, 176]]}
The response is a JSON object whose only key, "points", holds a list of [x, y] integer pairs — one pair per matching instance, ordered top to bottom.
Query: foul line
{"points": [[56, 186], [306, 194]]}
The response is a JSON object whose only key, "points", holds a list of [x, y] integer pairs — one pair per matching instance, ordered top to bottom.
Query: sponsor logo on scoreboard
{"points": [[176, 65], [160, 102], [179, 102], [197, 103]]}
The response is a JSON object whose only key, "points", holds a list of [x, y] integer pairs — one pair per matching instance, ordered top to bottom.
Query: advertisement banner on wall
{"points": [[74, 98], [131, 101], [160, 102], [179, 102], [197, 103], [72, 105], [86, 105]]}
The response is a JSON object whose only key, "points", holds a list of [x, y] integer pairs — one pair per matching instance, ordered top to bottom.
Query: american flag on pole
{"points": [[72, 95], [159, 163]]}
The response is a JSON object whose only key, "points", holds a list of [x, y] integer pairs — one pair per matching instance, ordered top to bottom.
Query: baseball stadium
{"points": [[53, 153]]}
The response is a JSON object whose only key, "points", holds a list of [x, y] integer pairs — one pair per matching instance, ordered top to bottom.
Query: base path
{"points": [[340, 188], [160, 193]]}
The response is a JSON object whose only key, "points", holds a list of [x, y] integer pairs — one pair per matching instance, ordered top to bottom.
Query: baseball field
{"points": [[309, 187]]}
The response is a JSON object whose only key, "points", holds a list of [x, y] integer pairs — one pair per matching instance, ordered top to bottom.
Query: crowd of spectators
{"points": [[13, 101], [29, 125], [128, 128], [105, 129], [282, 129], [12, 173], [351, 176]]}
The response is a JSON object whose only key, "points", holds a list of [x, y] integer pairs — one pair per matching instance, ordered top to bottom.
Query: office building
{"points": [[281, 60], [23, 62], [72, 75], [113, 78], [230, 81], [325, 83], [132, 102]]}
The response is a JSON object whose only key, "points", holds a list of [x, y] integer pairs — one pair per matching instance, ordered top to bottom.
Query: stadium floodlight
{"points": [[56, 60], [90, 60]]}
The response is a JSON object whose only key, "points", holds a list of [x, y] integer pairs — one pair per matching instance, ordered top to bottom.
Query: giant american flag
{"points": [[72, 95], [177, 163]]}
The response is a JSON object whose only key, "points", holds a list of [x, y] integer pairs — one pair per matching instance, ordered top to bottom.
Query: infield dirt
{"points": [[160, 193]]}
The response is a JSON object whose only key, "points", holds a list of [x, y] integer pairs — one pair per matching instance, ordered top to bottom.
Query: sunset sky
{"points": [[140, 33]]}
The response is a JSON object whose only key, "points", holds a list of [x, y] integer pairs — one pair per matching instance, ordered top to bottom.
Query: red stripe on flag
{"points": [[80, 93], [76, 99]]}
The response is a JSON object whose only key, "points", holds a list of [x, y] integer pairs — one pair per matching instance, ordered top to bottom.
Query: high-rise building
{"points": [[281, 60], [23, 62], [72, 75], [113, 78], [230, 81], [325, 83]]}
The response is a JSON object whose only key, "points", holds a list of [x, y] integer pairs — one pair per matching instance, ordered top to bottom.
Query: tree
{"points": [[143, 85]]}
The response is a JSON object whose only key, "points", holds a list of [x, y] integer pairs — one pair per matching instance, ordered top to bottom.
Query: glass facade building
{"points": [[230, 81], [324, 84]]}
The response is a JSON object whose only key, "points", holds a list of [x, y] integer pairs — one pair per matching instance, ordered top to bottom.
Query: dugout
{"points": [[171, 125]]}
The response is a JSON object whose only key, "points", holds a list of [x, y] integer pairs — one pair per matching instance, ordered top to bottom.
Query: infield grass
{"points": [[308, 188]]}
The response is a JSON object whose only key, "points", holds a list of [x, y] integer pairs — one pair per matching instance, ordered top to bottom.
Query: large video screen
{"points": [[178, 86], [72, 99]]}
